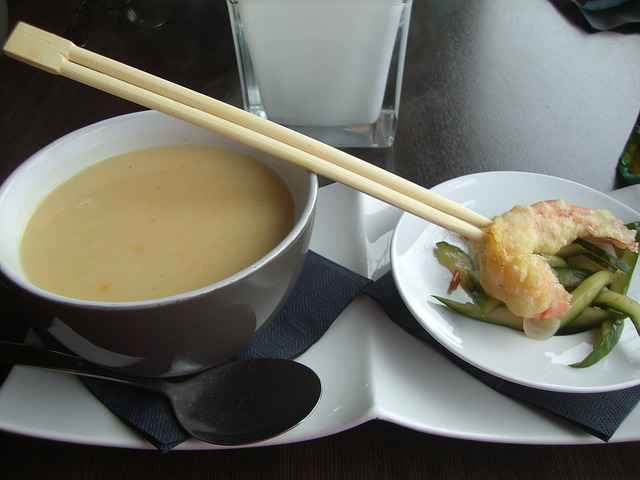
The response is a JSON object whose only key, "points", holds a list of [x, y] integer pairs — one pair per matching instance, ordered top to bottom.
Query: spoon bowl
{"points": [[245, 401]]}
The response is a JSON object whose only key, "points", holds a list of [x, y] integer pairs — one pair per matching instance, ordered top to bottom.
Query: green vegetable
{"points": [[634, 226], [570, 250], [604, 257], [456, 260], [554, 261], [586, 263], [604, 265], [570, 278], [622, 280], [585, 294], [485, 302], [622, 303], [498, 316], [591, 317], [607, 338]]}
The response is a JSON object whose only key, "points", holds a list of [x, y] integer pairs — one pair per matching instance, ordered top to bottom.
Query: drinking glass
{"points": [[331, 69]]}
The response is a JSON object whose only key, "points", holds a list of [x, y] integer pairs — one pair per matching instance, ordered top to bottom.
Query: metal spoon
{"points": [[241, 402]]}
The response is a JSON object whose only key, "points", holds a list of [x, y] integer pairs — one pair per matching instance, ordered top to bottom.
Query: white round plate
{"points": [[501, 351]]}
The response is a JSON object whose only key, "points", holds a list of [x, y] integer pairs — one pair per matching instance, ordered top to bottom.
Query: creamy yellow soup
{"points": [[155, 222]]}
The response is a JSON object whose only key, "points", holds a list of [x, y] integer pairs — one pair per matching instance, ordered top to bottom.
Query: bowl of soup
{"points": [[148, 245]]}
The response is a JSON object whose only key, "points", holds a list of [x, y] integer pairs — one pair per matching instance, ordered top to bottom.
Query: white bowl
{"points": [[501, 351]]}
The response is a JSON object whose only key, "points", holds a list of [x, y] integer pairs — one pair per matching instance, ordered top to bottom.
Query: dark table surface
{"points": [[489, 85]]}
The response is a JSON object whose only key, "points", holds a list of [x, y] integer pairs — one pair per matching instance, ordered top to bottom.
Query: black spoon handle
{"points": [[12, 353]]}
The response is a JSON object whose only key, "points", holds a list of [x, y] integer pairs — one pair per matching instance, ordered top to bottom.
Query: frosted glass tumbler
{"points": [[331, 69]]}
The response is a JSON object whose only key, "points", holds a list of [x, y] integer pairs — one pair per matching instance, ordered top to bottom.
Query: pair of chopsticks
{"points": [[60, 56]]}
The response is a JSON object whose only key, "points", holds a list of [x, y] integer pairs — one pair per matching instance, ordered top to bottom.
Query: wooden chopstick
{"points": [[56, 55], [278, 132]]}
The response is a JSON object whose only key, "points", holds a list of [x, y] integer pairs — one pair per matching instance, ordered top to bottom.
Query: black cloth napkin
{"points": [[609, 14], [322, 292]]}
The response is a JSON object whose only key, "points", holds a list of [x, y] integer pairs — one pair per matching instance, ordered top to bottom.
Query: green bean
{"points": [[634, 226], [570, 250], [603, 256], [452, 257], [456, 260], [554, 261], [584, 262], [604, 265], [570, 278], [622, 280], [584, 295], [485, 302], [622, 303], [498, 316], [590, 318], [607, 338]]}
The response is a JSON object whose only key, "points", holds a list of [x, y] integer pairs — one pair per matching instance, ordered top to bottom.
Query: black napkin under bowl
{"points": [[322, 292]]}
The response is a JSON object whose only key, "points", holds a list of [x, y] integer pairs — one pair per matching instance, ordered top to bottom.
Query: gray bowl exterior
{"points": [[182, 337]]}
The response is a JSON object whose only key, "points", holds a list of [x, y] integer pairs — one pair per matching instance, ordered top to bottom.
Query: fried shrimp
{"points": [[511, 269]]}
